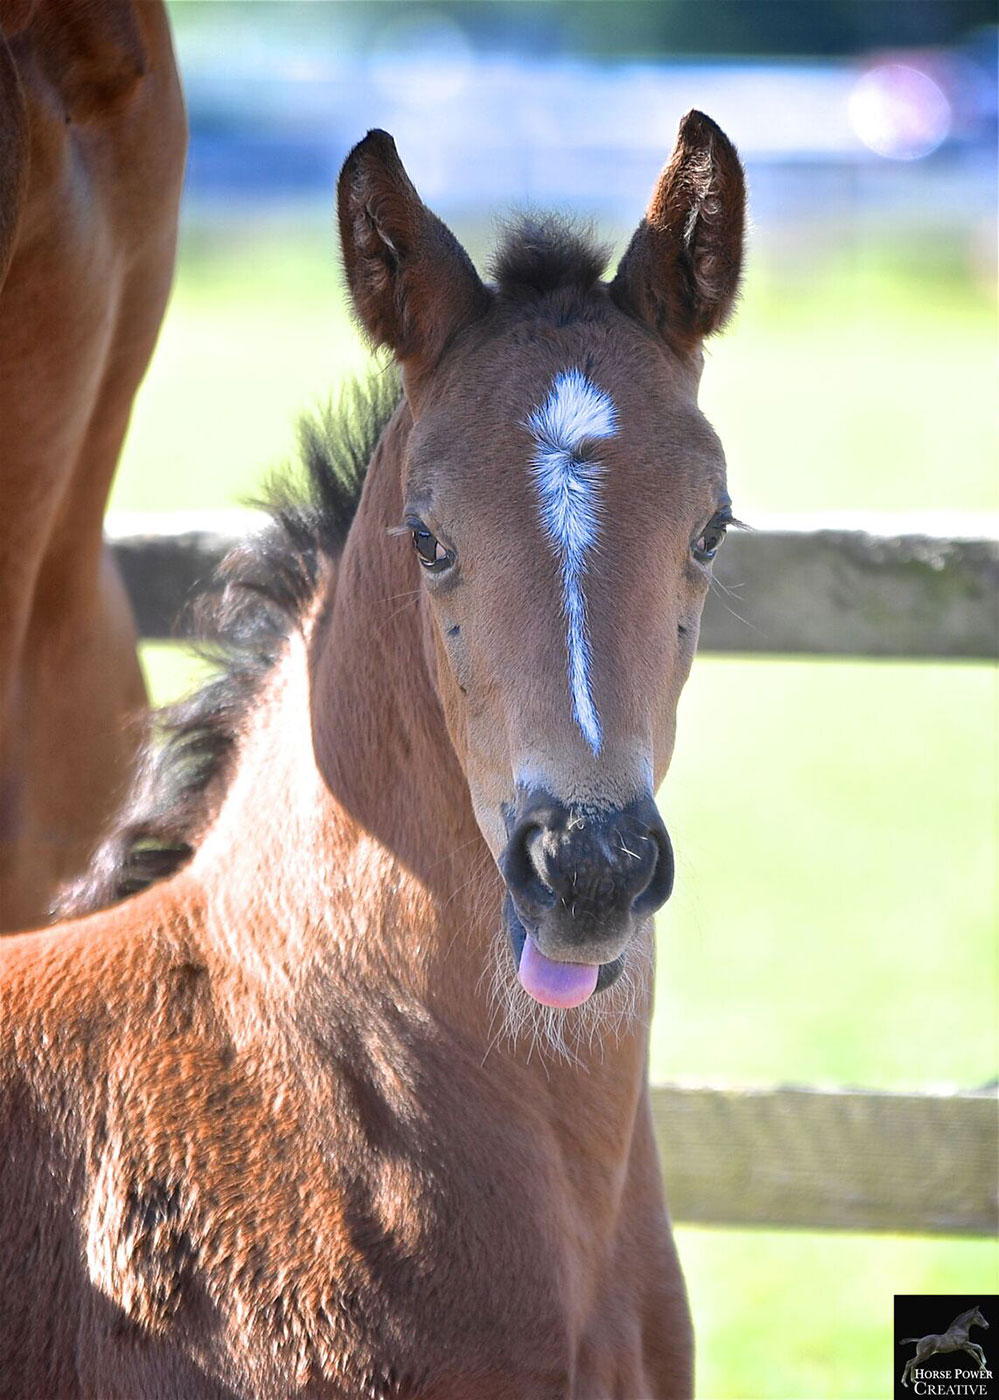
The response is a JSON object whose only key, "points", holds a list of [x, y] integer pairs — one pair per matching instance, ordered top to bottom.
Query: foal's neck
{"points": [[366, 867]]}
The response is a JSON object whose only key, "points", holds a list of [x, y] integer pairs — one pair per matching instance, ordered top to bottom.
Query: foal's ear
{"points": [[681, 271], [412, 283]]}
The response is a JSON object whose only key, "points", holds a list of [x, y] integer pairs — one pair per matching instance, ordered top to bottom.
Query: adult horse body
{"points": [[92, 142], [354, 1102]]}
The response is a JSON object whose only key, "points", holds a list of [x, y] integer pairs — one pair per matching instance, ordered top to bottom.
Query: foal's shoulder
{"points": [[72, 996]]}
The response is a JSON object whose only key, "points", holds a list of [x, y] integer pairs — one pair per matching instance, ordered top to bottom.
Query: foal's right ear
{"points": [[681, 271], [412, 284]]}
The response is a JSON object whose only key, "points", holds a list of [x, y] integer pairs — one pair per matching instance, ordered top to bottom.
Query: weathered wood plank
{"points": [[165, 559], [825, 591], [855, 592], [816, 1159]]}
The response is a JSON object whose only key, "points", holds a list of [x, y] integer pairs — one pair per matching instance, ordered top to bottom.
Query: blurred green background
{"points": [[835, 822]]}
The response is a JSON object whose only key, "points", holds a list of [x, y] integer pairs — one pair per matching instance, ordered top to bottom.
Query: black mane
{"points": [[251, 607]]}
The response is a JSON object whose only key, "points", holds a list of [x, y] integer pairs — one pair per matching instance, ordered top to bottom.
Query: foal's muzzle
{"points": [[581, 879]]}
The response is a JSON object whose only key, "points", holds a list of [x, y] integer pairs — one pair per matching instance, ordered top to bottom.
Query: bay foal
{"points": [[92, 142], [352, 1099]]}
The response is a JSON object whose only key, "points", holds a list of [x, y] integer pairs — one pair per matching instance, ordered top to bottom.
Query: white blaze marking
{"points": [[568, 484]]}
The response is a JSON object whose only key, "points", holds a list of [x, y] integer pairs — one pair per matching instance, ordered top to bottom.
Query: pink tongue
{"points": [[555, 983]]}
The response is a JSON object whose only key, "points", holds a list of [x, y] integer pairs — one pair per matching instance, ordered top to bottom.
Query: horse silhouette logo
{"points": [[954, 1339]]}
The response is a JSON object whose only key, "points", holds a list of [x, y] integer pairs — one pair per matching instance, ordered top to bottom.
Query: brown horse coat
{"points": [[92, 142], [286, 1122]]}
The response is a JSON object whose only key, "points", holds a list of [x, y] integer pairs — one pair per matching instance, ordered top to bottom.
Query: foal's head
{"points": [[564, 498]]}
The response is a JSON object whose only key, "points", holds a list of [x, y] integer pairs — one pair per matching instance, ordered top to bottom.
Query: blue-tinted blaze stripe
{"points": [[568, 484]]}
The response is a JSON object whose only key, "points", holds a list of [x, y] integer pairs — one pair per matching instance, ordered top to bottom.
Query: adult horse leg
{"points": [[95, 186], [77, 720]]}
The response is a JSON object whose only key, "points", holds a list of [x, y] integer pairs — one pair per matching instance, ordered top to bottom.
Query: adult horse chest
{"points": [[351, 1097]]}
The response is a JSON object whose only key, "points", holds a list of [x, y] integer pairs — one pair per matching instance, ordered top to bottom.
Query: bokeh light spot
{"points": [[899, 112]]}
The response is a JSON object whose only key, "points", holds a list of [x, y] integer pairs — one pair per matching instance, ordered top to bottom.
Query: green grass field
{"points": [[857, 384], [835, 822]]}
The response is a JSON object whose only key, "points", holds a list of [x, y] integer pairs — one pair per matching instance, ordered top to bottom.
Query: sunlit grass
{"points": [[255, 334], [852, 383], [857, 401], [171, 671], [835, 908], [796, 1315]]}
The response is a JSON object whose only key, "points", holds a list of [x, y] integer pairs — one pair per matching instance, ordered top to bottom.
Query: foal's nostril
{"points": [[593, 866], [520, 867], [659, 886]]}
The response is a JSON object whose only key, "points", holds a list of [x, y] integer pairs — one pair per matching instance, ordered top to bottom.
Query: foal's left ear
{"points": [[681, 271], [412, 283]]}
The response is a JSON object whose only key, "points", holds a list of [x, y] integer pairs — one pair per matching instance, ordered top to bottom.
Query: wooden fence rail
{"points": [[890, 589], [837, 1159], [908, 1163]]}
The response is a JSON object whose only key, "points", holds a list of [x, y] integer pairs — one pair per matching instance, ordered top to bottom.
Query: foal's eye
{"points": [[708, 543], [431, 553]]}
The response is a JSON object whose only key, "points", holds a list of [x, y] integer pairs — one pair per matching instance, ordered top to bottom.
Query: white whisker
{"points": [[714, 584], [557, 1034]]}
